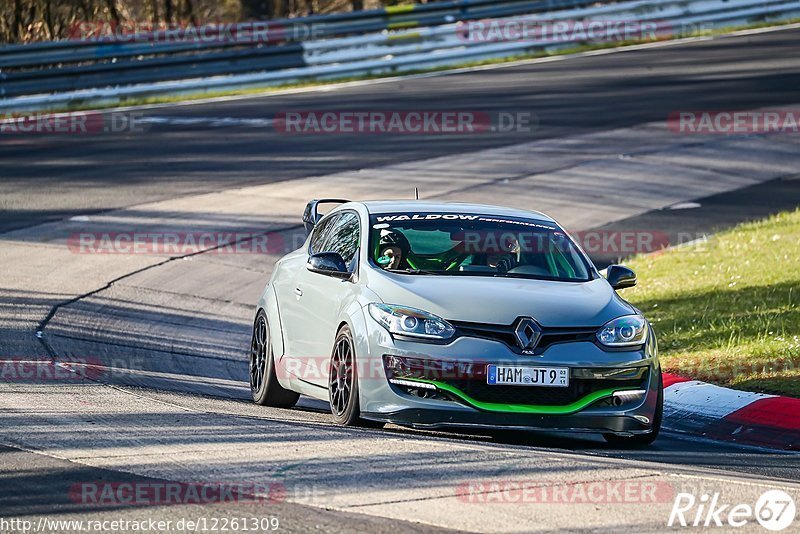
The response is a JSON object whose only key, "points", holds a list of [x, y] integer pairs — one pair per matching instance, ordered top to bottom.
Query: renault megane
{"points": [[455, 315]]}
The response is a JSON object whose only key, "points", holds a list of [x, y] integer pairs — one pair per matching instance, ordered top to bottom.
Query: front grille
{"points": [[505, 334], [469, 377], [542, 396]]}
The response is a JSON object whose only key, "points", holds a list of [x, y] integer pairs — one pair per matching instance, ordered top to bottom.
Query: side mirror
{"points": [[328, 263], [620, 277]]}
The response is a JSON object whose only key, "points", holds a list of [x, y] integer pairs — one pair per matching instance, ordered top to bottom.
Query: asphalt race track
{"points": [[582, 94], [167, 335]]}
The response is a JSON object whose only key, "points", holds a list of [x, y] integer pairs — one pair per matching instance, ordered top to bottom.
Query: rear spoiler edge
{"points": [[311, 214]]}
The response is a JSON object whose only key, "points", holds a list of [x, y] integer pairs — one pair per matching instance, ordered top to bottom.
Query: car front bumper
{"points": [[382, 401], [585, 423]]}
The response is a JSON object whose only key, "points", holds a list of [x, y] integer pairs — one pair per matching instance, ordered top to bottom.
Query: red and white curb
{"points": [[726, 414]]}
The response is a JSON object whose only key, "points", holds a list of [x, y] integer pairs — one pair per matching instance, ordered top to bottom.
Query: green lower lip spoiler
{"points": [[566, 409]]}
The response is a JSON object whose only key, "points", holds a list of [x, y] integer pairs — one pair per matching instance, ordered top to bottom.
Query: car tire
{"points": [[343, 383], [264, 385], [642, 440]]}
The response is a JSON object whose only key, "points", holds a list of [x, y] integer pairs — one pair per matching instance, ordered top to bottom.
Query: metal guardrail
{"points": [[296, 29], [142, 62], [110, 71]]}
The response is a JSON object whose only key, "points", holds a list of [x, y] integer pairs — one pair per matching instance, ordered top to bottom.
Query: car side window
{"points": [[320, 234], [344, 238]]}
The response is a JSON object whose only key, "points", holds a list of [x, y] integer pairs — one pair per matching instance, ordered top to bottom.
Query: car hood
{"points": [[502, 300]]}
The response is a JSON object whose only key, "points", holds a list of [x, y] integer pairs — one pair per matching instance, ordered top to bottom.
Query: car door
{"points": [[321, 297], [292, 306]]}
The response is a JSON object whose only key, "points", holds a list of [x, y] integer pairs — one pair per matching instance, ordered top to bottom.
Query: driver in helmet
{"points": [[393, 248], [508, 255]]}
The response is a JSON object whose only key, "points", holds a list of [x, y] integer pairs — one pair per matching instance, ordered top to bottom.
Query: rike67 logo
{"points": [[775, 510]]}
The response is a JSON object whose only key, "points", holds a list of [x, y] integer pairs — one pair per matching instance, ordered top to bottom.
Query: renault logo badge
{"points": [[527, 333]]}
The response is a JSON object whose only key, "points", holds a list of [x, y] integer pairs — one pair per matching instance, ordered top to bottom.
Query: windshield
{"points": [[474, 244]]}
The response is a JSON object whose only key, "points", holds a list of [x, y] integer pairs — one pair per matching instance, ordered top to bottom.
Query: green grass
{"points": [[169, 99], [727, 311]]}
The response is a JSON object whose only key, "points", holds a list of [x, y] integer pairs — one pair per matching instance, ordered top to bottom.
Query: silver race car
{"points": [[454, 315]]}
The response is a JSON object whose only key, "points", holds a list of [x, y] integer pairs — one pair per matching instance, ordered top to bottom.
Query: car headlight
{"points": [[405, 321], [623, 331]]}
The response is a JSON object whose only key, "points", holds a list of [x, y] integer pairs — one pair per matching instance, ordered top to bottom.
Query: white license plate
{"points": [[554, 377]]}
